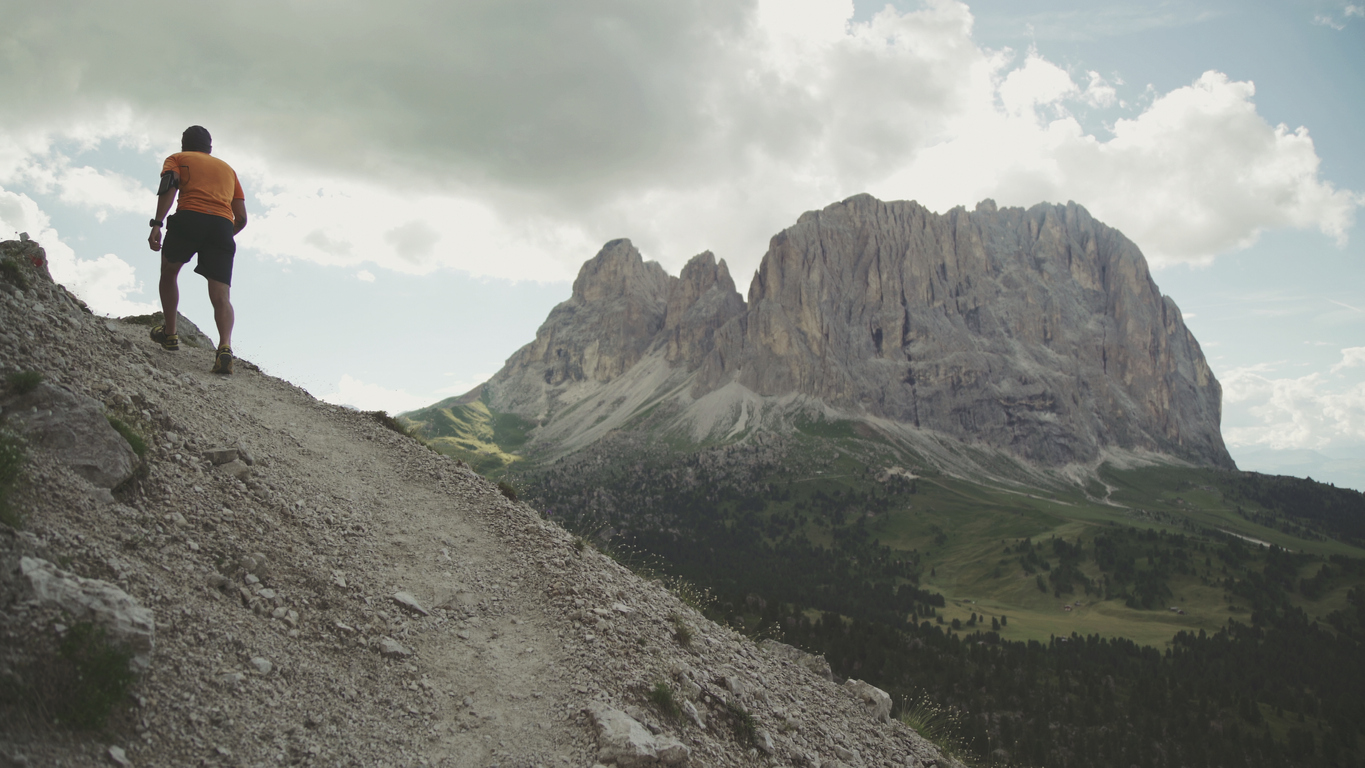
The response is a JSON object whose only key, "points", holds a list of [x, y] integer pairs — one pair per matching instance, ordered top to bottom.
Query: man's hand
{"points": [[238, 216], [154, 239]]}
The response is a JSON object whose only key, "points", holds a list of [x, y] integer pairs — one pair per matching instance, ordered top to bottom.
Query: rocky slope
{"points": [[1038, 333], [324, 591]]}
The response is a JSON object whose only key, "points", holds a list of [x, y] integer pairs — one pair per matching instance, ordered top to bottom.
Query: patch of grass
{"points": [[13, 273], [154, 319], [23, 382], [393, 424], [830, 430], [472, 432], [134, 439], [12, 460], [507, 490], [700, 598], [681, 631], [99, 676], [78, 685], [661, 695], [741, 722], [940, 725]]}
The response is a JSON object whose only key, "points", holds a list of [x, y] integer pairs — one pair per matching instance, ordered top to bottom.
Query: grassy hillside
{"points": [[470, 431], [837, 539], [1044, 609]]}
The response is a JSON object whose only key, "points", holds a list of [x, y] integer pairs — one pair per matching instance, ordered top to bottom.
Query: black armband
{"points": [[167, 183]]}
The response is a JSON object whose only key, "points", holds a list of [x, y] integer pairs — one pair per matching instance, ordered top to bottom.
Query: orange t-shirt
{"points": [[207, 184]]}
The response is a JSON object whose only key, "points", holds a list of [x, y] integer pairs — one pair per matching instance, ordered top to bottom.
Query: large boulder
{"points": [[75, 428], [96, 601], [816, 664], [875, 700], [623, 741]]}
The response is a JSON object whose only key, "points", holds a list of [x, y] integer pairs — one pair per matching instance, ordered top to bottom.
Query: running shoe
{"points": [[168, 341], [222, 361]]}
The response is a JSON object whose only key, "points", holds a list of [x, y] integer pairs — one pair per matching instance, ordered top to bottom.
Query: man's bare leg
{"points": [[170, 293], [223, 316]]}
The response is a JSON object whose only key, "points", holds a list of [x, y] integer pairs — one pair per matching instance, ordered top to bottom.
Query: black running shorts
{"points": [[191, 232]]}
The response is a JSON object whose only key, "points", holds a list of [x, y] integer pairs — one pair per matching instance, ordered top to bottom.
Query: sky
{"points": [[424, 179]]}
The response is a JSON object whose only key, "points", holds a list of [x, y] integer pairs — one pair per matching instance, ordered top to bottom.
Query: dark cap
{"points": [[196, 139]]}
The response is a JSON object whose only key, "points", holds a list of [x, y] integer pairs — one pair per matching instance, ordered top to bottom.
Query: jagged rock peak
{"points": [[619, 270], [700, 301], [1039, 331], [1036, 332]]}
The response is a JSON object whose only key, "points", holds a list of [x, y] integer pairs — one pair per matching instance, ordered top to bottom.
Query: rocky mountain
{"points": [[1035, 334], [207, 570]]}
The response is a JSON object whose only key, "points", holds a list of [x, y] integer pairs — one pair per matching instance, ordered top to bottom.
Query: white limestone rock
{"points": [[76, 429], [96, 601], [877, 701], [623, 741]]}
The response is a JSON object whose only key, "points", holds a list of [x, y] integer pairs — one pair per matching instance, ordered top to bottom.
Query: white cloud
{"points": [[1039, 82], [1099, 92], [511, 139], [1196, 174], [365, 276], [104, 283], [1350, 358], [373, 397], [1295, 412]]}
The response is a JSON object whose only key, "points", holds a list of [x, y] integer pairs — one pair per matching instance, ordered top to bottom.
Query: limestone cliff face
{"points": [[703, 300], [621, 308], [1039, 332]]}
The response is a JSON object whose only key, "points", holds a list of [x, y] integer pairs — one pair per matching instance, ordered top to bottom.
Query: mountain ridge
{"points": [[1037, 334]]}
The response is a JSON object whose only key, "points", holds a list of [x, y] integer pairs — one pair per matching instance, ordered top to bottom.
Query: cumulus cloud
{"points": [[1348, 10], [511, 138], [1196, 174], [80, 186], [103, 283], [1350, 358], [366, 396], [1312, 411]]}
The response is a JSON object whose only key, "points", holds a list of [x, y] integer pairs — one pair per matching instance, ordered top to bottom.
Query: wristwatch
{"points": [[156, 222]]}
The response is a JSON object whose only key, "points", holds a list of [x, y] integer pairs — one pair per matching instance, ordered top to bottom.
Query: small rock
{"points": [[221, 456], [237, 469], [408, 601], [392, 649], [262, 665], [231, 679], [690, 710], [765, 742], [118, 757]]}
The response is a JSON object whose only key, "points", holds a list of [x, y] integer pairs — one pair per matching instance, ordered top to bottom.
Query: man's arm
{"points": [[163, 206], [238, 216]]}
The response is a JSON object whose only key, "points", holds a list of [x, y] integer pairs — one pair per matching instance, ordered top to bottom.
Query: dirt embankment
{"points": [[278, 638]]}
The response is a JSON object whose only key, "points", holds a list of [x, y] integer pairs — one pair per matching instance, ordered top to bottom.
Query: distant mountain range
{"points": [[988, 341]]}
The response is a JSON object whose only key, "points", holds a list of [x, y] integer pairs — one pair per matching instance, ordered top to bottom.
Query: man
{"points": [[211, 212]]}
